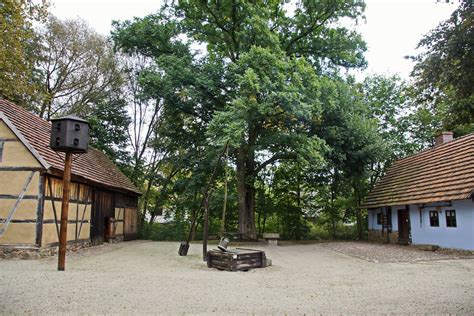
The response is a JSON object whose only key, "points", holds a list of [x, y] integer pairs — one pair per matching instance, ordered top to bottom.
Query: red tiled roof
{"points": [[93, 166], [442, 173]]}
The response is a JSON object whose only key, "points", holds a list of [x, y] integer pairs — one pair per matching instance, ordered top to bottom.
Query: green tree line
{"points": [[268, 80]]}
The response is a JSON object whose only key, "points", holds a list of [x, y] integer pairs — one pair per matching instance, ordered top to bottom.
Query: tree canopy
{"points": [[19, 48], [272, 61], [444, 72], [268, 80]]}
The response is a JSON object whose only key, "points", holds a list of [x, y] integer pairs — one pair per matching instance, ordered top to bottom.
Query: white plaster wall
{"points": [[373, 218], [461, 237]]}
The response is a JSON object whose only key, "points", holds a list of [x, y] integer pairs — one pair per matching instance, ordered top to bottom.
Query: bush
{"points": [[173, 231], [324, 232]]}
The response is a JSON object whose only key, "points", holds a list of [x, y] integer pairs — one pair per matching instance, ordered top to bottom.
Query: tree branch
{"points": [[273, 159]]}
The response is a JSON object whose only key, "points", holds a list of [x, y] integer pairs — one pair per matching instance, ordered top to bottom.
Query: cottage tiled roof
{"points": [[93, 166], [442, 173]]}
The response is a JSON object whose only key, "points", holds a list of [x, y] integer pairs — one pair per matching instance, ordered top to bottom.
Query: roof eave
{"points": [[59, 173], [410, 202]]}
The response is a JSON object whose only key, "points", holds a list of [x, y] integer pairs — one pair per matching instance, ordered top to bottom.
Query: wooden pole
{"points": [[224, 208], [64, 212], [206, 228]]}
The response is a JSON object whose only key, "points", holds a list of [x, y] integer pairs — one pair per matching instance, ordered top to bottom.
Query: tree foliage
{"points": [[19, 48], [77, 68], [444, 72], [267, 78], [258, 84]]}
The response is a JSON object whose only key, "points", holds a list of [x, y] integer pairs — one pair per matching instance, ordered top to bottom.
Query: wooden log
{"points": [[64, 213], [257, 261], [221, 262], [222, 266], [248, 266]]}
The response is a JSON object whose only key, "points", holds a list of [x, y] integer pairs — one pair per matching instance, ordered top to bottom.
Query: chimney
{"points": [[443, 138]]}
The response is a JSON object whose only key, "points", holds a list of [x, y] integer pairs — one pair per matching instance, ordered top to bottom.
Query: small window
{"points": [[379, 218], [451, 218], [434, 219]]}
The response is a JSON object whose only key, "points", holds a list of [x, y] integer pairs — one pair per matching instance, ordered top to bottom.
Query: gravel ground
{"points": [[389, 253], [149, 277]]}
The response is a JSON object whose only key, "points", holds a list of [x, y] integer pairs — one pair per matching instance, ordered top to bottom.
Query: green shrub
{"points": [[173, 231]]}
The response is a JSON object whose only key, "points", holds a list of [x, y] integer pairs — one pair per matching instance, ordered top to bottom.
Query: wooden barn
{"points": [[103, 201]]}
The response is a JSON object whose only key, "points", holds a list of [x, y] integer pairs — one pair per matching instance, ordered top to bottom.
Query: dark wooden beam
{"points": [[21, 169], [15, 197], [52, 198], [40, 211], [3, 220], [46, 221], [69, 221]]}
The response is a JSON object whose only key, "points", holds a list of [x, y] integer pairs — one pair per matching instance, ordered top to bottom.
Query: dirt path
{"points": [[390, 253], [149, 277]]}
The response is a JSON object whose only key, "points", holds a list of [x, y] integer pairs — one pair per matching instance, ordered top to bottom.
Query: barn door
{"points": [[102, 209], [130, 224]]}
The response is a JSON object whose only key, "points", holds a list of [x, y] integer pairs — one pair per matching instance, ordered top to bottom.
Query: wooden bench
{"points": [[271, 238]]}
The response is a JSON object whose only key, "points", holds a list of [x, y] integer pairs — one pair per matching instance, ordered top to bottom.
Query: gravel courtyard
{"points": [[149, 277]]}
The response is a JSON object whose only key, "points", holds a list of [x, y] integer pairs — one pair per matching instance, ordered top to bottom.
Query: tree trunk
{"points": [[246, 192], [333, 209], [359, 215]]}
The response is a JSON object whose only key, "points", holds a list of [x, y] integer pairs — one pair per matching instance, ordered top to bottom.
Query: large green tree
{"points": [[19, 48], [269, 59], [77, 68], [444, 73], [389, 103]]}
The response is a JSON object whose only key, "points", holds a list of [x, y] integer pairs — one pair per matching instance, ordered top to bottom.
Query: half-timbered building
{"points": [[427, 198], [103, 201]]}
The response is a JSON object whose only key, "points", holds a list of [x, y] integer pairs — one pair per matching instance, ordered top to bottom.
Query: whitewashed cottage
{"points": [[427, 198]]}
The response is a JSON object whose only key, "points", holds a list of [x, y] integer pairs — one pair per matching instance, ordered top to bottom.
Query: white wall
{"points": [[373, 218], [461, 237]]}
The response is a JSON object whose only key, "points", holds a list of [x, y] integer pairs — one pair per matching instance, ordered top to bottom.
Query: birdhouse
{"points": [[69, 134]]}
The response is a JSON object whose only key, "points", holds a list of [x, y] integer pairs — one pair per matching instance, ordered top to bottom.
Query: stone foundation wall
{"points": [[376, 235], [116, 239], [27, 253]]}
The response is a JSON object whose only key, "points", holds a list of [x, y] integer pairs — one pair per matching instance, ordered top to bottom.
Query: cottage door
{"points": [[130, 224], [403, 227]]}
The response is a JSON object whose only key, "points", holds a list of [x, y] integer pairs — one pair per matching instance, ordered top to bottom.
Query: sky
{"points": [[392, 28]]}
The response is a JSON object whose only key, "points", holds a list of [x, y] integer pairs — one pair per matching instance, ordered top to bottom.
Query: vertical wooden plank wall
{"points": [[126, 206], [79, 217]]}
